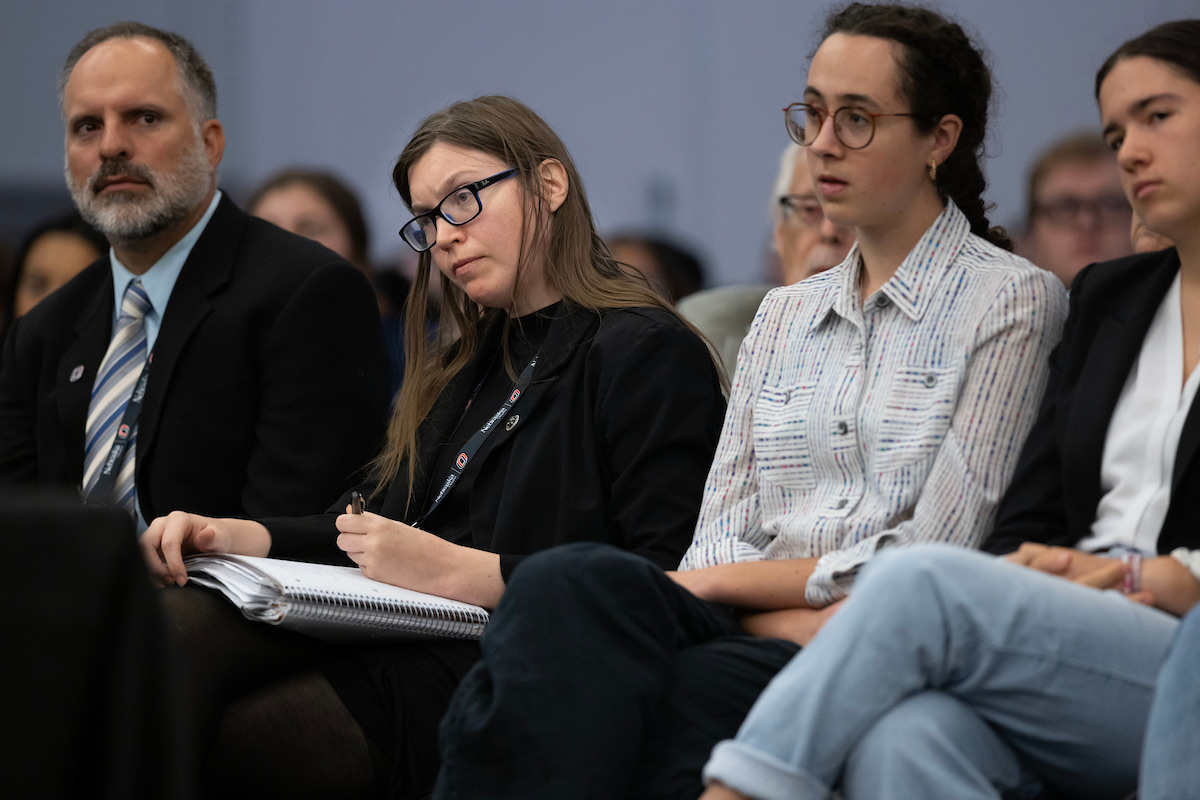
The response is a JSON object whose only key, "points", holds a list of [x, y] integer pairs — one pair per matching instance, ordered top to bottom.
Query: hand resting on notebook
{"points": [[170, 538], [385, 550]]}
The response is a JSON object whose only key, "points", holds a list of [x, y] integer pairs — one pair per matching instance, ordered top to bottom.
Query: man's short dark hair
{"points": [[200, 90]]}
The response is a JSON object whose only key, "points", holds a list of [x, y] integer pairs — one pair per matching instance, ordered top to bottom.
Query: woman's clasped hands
{"points": [[1165, 583]]}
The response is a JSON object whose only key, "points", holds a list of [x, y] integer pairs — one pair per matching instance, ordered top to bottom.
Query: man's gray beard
{"points": [[130, 215]]}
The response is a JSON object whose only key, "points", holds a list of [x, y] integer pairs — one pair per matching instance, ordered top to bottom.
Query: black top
{"points": [[613, 443], [1056, 490], [450, 519]]}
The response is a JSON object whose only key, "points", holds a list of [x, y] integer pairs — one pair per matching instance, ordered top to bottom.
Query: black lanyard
{"points": [[477, 439], [101, 494]]}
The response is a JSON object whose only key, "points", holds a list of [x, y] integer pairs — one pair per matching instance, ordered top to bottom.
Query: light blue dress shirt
{"points": [[159, 282]]}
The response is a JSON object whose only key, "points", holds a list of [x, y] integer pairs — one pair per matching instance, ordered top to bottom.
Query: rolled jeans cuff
{"points": [[754, 773]]}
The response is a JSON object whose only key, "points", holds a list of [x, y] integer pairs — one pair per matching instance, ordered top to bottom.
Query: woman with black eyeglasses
{"points": [[565, 403], [877, 404]]}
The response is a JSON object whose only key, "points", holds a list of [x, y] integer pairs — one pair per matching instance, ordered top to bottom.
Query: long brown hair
{"points": [[576, 261]]}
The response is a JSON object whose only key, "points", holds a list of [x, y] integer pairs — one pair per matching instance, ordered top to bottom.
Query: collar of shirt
{"points": [[923, 267], [159, 280]]}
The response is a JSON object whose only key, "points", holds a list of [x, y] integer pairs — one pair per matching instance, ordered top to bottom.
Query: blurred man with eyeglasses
{"points": [[1077, 213], [805, 243]]}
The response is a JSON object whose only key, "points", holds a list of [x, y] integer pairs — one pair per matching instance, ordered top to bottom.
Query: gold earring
{"points": [[933, 170]]}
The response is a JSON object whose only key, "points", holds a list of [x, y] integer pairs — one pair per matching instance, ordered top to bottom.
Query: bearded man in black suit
{"points": [[261, 384]]}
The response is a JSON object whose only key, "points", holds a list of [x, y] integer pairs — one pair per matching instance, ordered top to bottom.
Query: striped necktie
{"points": [[119, 372]]}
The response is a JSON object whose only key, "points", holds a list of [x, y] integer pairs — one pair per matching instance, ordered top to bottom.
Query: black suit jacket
{"points": [[268, 389], [613, 443], [1056, 490]]}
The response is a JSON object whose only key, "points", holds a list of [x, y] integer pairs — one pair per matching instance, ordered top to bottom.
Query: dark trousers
{"points": [[600, 678], [290, 716]]}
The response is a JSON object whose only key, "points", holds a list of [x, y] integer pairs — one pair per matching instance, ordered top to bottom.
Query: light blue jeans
{"points": [[951, 673], [1171, 760]]}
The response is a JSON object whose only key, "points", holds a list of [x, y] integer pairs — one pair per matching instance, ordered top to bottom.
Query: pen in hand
{"points": [[356, 503]]}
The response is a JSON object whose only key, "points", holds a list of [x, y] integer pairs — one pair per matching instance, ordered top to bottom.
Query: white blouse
{"points": [[854, 426], [1142, 438]]}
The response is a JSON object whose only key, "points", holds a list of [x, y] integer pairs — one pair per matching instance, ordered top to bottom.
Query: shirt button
{"points": [[882, 301], [931, 380], [787, 396], [842, 427], [842, 503]]}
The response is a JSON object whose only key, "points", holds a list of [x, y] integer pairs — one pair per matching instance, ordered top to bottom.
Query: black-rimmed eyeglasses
{"points": [[854, 127], [458, 208]]}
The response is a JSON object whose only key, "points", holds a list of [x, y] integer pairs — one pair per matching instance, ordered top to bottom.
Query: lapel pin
{"points": [[76, 373], [512, 422]]}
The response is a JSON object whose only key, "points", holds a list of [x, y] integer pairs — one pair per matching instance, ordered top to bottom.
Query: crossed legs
{"points": [[1023, 672]]}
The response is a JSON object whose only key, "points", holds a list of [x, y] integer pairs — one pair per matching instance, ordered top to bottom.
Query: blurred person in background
{"points": [[316, 205], [322, 207], [1077, 214], [805, 243], [55, 251], [671, 269]]}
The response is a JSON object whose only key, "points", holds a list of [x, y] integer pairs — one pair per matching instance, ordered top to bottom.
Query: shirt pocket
{"points": [[916, 416], [782, 447]]}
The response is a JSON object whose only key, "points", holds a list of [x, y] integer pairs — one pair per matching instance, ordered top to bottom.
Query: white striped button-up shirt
{"points": [[853, 426]]}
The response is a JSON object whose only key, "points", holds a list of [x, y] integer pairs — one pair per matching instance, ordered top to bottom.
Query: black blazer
{"points": [[269, 386], [613, 443], [1056, 489]]}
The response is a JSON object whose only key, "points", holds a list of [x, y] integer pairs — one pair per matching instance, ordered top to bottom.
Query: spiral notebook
{"points": [[337, 604]]}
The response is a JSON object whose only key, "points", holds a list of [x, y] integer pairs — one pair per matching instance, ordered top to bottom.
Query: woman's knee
{"points": [[915, 571], [933, 587]]}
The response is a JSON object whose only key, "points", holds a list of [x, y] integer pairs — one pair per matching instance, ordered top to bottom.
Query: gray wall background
{"points": [[670, 107]]}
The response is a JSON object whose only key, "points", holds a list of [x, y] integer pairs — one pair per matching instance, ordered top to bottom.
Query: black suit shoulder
{"points": [[269, 250]]}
